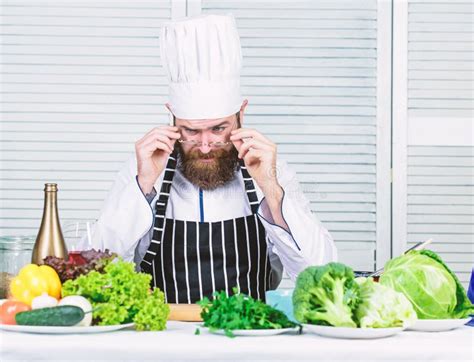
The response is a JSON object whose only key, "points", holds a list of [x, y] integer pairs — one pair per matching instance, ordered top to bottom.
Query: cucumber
{"points": [[65, 315]]}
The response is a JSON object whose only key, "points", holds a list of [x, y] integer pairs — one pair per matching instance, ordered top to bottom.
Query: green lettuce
{"points": [[432, 288], [121, 295], [382, 307]]}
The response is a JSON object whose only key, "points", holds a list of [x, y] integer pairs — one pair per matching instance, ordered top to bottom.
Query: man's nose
{"points": [[205, 148]]}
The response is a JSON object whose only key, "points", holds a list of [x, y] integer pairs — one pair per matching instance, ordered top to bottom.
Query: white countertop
{"points": [[178, 342]]}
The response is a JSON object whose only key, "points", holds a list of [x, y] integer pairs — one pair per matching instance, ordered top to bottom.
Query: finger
{"points": [[163, 128], [169, 130], [243, 133], [161, 136], [259, 137], [253, 143], [153, 144], [237, 144], [159, 145], [252, 154]]}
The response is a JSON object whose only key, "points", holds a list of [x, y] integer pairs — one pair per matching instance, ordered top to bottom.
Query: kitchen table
{"points": [[179, 342]]}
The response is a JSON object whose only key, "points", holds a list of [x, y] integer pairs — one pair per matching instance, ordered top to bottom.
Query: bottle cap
{"points": [[51, 187]]}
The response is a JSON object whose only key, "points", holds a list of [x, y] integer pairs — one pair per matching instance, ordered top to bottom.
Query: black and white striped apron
{"points": [[189, 260]]}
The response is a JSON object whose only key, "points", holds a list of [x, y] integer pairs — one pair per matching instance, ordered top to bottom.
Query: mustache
{"points": [[198, 155]]}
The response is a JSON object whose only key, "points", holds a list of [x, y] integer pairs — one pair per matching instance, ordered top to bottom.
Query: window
{"points": [[433, 96]]}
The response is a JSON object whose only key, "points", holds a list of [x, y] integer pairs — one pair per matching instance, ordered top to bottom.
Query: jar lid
{"points": [[17, 242]]}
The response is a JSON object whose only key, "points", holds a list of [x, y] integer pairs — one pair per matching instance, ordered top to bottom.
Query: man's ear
{"points": [[242, 110]]}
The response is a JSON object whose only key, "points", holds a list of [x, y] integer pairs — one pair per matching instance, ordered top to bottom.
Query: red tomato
{"points": [[9, 309]]}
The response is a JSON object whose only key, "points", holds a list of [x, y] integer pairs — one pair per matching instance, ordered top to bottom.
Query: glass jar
{"points": [[15, 252]]}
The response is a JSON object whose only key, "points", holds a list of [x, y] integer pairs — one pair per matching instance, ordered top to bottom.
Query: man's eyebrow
{"points": [[225, 123], [189, 128]]}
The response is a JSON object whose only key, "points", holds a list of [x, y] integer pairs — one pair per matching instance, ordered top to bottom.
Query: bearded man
{"points": [[204, 205]]}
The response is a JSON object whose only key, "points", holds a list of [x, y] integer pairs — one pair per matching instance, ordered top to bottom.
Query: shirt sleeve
{"points": [[150, 196], [126, 215], [307, 242]]}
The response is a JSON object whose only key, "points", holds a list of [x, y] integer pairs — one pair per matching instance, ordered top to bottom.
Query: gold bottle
{"points": [[50, 240]]}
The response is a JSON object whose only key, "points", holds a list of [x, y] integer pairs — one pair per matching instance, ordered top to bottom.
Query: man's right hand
{"points": [[152, 153]]}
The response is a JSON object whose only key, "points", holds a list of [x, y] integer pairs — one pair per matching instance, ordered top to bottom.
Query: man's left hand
{"points": [[259, 155]]}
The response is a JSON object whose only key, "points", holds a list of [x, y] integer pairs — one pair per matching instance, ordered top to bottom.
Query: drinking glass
{"points": [[78, 237]]}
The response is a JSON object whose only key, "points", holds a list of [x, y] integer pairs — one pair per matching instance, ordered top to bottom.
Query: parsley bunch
{"points": [[240, 311]]}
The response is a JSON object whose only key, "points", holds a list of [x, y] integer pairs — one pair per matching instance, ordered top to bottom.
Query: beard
{"points": [[208, 175]]}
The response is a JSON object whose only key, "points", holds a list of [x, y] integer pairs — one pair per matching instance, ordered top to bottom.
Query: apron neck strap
{"points": [[249, 187], [163, 198]]}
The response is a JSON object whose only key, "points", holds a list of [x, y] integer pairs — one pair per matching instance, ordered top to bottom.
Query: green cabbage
{"points": [[433, 289], [382, 307]]}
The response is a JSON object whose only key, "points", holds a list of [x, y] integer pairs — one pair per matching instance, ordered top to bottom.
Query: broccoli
{"points": [[326, 295]]}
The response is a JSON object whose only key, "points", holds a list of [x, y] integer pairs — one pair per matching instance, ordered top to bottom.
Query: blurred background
{"points": [[371, 102]]}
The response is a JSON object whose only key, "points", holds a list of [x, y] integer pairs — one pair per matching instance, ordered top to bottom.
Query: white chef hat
{"points": [[202, 58]]}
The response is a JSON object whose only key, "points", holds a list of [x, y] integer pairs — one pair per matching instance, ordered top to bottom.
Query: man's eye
{"points": [[218, 129], [191, 131]]}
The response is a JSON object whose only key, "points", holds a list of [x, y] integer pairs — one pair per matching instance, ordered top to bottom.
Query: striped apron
{"points": [[189, 260]]}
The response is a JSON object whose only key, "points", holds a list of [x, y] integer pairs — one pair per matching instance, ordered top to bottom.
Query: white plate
{"points": [[437, 325], [63, 330], [255, 332], [351, 333]]}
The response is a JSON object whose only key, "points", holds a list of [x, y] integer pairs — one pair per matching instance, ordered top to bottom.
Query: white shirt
{"points": [[126, 219]]}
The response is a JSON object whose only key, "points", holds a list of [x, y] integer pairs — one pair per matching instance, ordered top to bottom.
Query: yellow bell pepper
{"points": [[34, 280]]}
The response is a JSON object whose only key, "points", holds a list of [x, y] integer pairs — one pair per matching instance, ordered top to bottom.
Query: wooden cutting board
{"points": [[185, 313]]}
